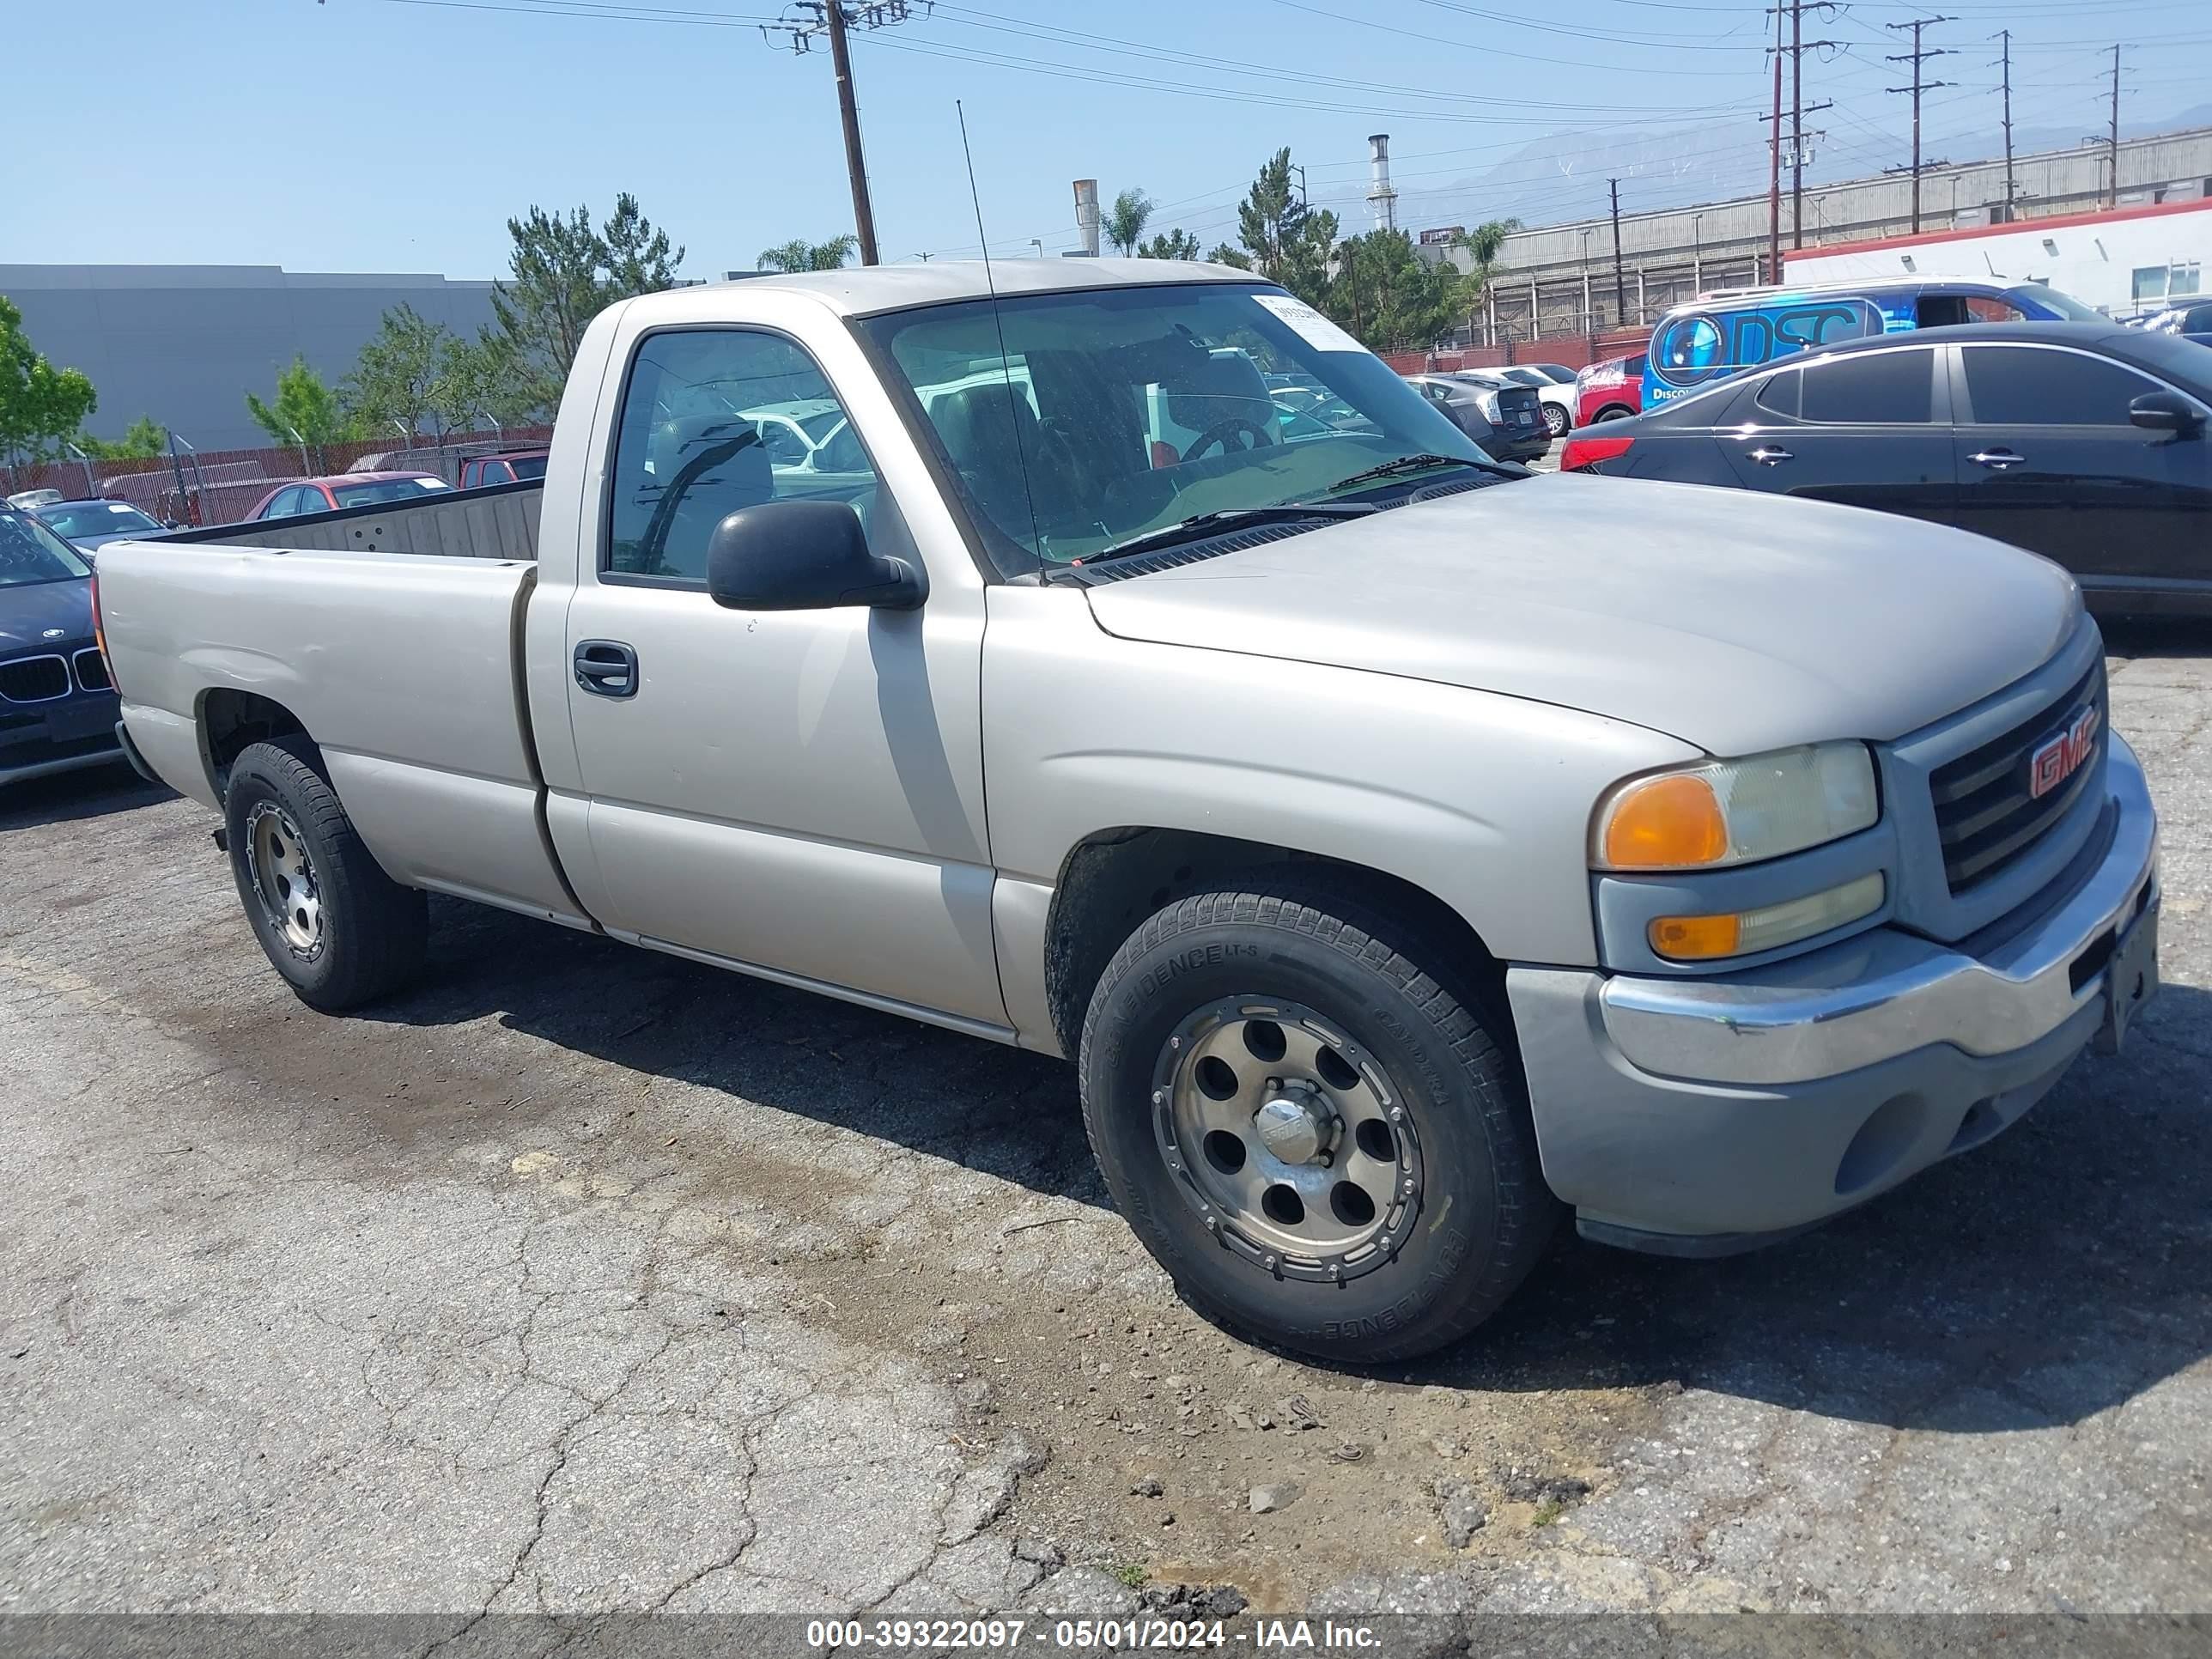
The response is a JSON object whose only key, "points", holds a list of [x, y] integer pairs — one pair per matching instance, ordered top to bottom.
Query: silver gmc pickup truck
{"points": [[1406, 848]]}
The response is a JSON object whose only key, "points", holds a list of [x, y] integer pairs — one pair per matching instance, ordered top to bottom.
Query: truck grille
{"points": [[35, 679], [1986, 813]]}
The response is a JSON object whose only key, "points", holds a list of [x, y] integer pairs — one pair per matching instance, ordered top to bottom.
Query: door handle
{"points": [[1770, 455], [1996, 459], [606, 668]]}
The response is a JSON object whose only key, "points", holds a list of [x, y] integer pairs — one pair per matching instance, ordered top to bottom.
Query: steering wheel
{"points": [[1221, 432]]}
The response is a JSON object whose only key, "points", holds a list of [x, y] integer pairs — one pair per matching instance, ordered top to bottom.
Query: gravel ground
{"points": [[585, 1278]]}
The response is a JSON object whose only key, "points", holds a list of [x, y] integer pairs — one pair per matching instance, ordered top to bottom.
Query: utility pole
{"points": [[831, 20], [2005, 35], [1796, 47], [1916, 57], [1774, 175], [2113, 200], [1619, 281]]}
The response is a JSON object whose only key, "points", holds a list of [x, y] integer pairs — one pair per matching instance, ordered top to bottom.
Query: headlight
{"points": [[1735, 811]]}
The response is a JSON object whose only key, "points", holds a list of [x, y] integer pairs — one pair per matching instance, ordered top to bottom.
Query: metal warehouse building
{"points": [[185, 343]]}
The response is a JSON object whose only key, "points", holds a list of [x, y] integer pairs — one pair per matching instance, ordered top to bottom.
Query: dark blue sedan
{"points": [[88, 526], [57, 711]]}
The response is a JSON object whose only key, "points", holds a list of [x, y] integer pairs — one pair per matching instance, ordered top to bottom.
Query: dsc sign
{"points": [[2058, 758]]}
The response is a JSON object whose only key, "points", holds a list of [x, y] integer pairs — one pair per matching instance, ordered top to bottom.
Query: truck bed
{"points": [[498, 521], [405, 665]]}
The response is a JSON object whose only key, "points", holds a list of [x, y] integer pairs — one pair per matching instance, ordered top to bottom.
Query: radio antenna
{"points": [[999, 322]]}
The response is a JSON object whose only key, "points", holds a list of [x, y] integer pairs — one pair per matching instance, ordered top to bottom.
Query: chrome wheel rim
{"points": [[1555, 421], [284, 878], [1286, 1137]]}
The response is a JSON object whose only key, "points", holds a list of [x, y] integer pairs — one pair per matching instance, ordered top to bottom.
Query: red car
{"points": [[1610, 390], [509, 466], [346, 490]]}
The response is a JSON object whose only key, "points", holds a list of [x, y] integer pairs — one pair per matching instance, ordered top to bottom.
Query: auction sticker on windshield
{"points": [[1315, 330]]}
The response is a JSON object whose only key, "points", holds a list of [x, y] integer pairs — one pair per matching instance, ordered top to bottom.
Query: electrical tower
{"points": [[808, 20], [1916, 57], [2114, 199]]}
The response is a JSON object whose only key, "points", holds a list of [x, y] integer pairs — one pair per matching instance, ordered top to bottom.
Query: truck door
{"points": [[796, 791]]}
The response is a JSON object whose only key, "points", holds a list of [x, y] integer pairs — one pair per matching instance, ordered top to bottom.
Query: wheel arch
{"points": [[230, 721], [1113, 878]]}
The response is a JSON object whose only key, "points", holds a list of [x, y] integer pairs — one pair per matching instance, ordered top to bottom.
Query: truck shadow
{"points": [[69, 797], [2048, 1275]]}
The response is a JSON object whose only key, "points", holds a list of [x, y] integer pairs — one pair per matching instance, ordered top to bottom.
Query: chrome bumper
{"points": [[1886, 993]]}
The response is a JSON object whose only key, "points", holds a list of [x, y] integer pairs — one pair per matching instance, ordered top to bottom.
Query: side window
{"points": [[1987, 308], [2023, 385], [1878, 388], [1780, 395], [781, 439], [692, 446], [285, 504]]}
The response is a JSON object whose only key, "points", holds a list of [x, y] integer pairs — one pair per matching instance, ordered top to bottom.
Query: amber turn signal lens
{"points": [[1668, 823], [1696, 939]]}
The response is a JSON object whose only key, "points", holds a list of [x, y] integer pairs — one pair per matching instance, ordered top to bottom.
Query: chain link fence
{"points": [[221, 486]]}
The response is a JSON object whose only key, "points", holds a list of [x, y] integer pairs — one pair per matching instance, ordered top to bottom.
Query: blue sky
{"points": [[399, 135]]}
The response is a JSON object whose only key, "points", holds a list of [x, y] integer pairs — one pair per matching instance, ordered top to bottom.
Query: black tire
{"points": [[1613, 412], [372, 929], [1289, 937]]}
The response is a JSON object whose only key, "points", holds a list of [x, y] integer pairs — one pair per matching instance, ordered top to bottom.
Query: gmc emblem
{"points": [[2059, 757]]}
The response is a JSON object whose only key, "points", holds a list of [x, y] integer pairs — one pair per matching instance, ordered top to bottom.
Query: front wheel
{"points": [[1323, 1145]]}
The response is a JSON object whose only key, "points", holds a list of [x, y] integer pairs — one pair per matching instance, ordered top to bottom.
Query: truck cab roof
{"points": [[864, 291]]}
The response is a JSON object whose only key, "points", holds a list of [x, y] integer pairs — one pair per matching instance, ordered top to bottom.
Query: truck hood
{"points": [[30, 612], [1733, 621]]}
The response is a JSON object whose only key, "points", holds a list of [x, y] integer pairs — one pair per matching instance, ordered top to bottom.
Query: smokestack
{"points": [[1381, 199], [1086, 214]]}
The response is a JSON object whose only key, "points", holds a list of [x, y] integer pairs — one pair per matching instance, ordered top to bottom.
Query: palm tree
{"points": [[1125, 221], [1482, 245], [799, 254]]}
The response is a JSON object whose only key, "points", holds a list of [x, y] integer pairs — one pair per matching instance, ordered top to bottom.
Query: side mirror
{"points": [[2165, 411], [804, 556]]}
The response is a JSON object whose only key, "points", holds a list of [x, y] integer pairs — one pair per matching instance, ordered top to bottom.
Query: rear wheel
{"points": [[1613, 412], [1555, 420], [339, 930], [1323, 1145]]}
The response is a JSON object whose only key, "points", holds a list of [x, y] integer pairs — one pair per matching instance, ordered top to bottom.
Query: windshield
{"points": [[2064, 305], [1115, 413], [527, 466], [385, 489], [77, 520], [29, 552]]}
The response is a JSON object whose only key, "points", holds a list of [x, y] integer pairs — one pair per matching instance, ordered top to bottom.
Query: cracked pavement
{"points": [[582, 1278]]}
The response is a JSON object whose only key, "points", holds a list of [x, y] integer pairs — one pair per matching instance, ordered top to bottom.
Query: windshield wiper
{"points": [[1416, 464], [1202, 525]]}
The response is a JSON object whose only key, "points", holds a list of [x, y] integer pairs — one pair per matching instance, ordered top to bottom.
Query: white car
{"points": [[1556, 394]]}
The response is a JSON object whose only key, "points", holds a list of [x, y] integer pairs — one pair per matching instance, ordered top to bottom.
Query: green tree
{"points": [[1126, 219], [1288, 242], [1178, 244], [1482, 246], [799, 254], [1224, 254], [562, 273], [1386, 295], [398, 377], [482, 379], [40, 405], [306, 413], [143, 440]]}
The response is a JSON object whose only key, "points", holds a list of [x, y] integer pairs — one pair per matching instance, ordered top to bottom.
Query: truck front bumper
{"points": [[1706, 1116]]}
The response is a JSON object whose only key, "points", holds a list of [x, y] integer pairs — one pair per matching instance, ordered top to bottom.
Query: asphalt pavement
{"points": [[583, 1278]]}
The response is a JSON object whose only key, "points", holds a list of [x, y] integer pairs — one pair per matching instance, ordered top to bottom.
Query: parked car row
{"points": [[57, 709]]}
